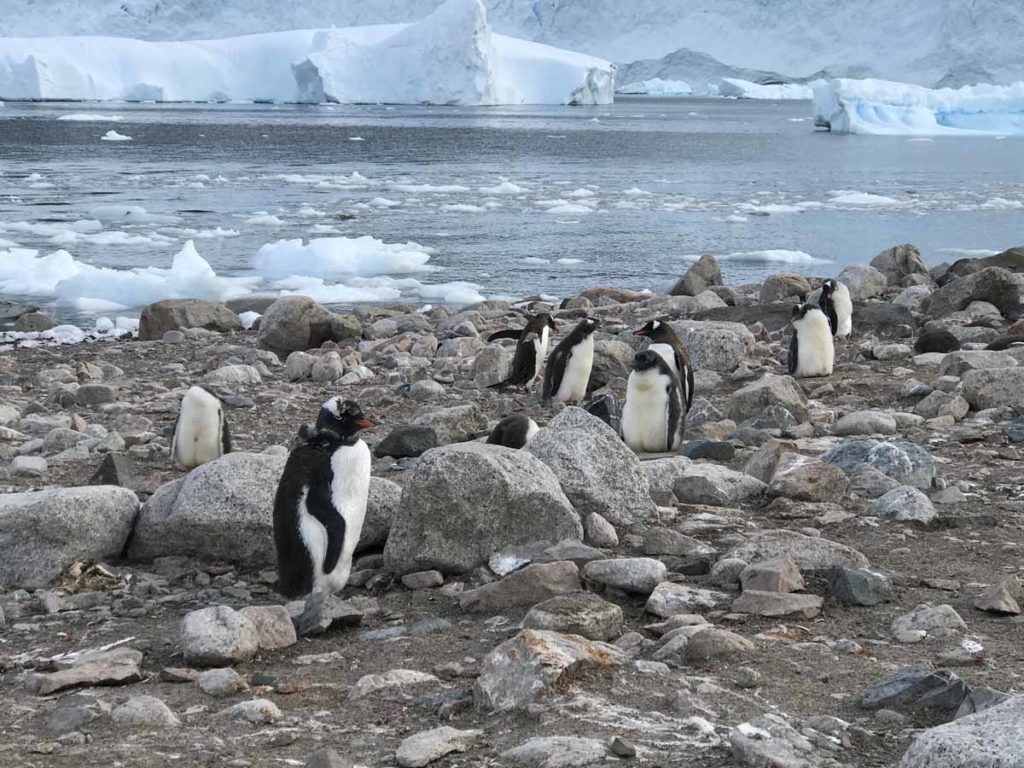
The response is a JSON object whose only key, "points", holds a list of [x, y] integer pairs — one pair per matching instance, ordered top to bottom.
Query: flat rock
{"points": [[179, 314], [753, 399], [865, 423], [906, 462], [806, 478], [715, 485], [453, 496], [904, 503], [810, 553], [639, 575], [776, 575], [526, 587], [669, 599], [777, 604], [583, 614], [928, 622], [273, 626], [713, 644], [537, 663], [119, 666], [394, 678], [915, 687], [144, 712], [257, 712], [425, 747], [557, 752]]}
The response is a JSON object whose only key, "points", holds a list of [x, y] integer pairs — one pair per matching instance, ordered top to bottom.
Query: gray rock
{"points": [[900, 261], [704, 274], [864, 282], [782, 286], [997, 286], [913, 297], [179, 314], [33, 322], [294, 323], [715, 346], [892, 351], [612, 360], [960, 362], [299, 366], [491, 366], [327, 368], [233, 376], [995, 388], [427, 389], [96, 394], [753, 399], [930, 406], [865, 423], [453, 425], [407, 441], [712, 450], [901, 460], [29, 466], [597, 471], [663, 473], [805, 478], [715, 485], [452, 498], [904, 503], [221, 510], [44, 532], [599, 532], [666, 541], [810, 553], [726, 572], [779, 574], [639, 575], [423, 580], [859, 586], [527, 587], [1002, 597], [670, 599], [777, 604], [322, 611], [582, 614], [928, 622], [274, 626], [217, 636], [713, 644], [535, 664], [119, 666], [400, 679], [221, 682], [915, 687], [980, 699], [144, 712], [256, 712], [989, 739], [770, 742], [425, 747], [557, 752], [327, 758]]}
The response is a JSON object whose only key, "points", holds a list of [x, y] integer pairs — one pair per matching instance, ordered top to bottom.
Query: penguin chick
{"points": [[811, 352], [654, 416], [201, 431], [513, 431], [321, 502]]}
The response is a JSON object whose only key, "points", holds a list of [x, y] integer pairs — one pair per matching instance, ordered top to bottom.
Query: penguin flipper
{"points": [[510, 333], [794, 349], [523, 364], [553, 373], [689, 386], [675, 416], [225, 434], [320, 506]]}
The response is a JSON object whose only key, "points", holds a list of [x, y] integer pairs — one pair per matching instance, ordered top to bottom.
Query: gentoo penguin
{"points": [[837, 305], [939, 340], [666, 342], [531, 351], [811, 352], [568, 370], [654, 415], [514, 431], [200, 432], [321, 502]]}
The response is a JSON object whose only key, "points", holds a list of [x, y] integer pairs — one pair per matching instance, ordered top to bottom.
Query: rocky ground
{"points": [[827, 573]]}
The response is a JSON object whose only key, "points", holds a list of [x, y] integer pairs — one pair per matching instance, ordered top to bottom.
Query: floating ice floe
{"points": [[450, 57], [657, 87], [745, 89], [883, 107], [88, 117], [113, 135], [504, 188], [853, 197], [778, 255], [340, 256], [105, 329]]}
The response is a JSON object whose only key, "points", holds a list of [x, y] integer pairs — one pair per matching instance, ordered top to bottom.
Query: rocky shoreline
{"points": [[828, 574]]}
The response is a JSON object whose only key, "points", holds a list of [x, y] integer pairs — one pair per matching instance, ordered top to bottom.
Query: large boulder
{"points": [[1012, 260], [900, 261], [698, 278], [864, 282], [784, 285], [999, 287], [176, 314], [294, 324], [715, 346], [995, 387], [769, 390], [454, 424], [903, 461], [597, 471], [715, 485], [463, 502], [381, 507], [222, 510], [44, 532], [810, 553], [992, 738]]}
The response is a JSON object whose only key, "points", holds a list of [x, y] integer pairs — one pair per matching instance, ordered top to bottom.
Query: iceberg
{"points": [[450, 57], [657, 87], [733, 87], [882, 107]]}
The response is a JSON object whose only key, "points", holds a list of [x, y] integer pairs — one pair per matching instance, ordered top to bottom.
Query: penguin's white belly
{"points": [[844, 312], [815, 351], [667, 353], [540, 354], [577, 372], [645, 414], [531, 430], [197, 438], [349, 491], [314, 537]]}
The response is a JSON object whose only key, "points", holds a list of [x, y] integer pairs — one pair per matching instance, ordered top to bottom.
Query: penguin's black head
{"points": [[828, 288], [799, 312], [549, 321], [589, 324], [655, 330], [646, 360], [343, 417]]}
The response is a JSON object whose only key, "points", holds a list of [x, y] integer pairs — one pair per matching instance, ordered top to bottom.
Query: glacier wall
{"points": [[451, 57], [881, 107]]}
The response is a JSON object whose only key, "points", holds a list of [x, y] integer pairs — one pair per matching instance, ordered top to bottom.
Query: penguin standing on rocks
{"points": [[837, 305], [666, 342], [531, 351], [811, 352], [568, 369], [654, 416], [201, 431], [513, 431], [321, 502]]}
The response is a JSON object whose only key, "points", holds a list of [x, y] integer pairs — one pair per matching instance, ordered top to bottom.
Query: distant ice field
{"points": [[435, 204]]}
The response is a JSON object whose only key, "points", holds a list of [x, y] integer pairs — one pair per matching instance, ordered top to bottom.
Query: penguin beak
{"points": [[365, 423]]}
